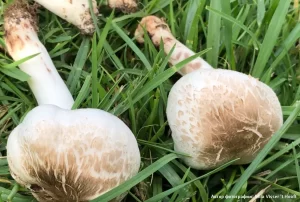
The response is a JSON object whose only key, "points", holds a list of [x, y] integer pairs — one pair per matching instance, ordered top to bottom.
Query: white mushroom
{"points": [[76, 12], [215, 115], [62, 154]]}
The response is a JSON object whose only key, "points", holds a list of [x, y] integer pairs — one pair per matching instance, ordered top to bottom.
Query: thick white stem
{"points": [[76, 12], [159, 30], [22, 41]]}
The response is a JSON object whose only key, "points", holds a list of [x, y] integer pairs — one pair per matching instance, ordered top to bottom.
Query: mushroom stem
{"points": [[126, 6], [77, 12], [159, 30], [22, 41]]}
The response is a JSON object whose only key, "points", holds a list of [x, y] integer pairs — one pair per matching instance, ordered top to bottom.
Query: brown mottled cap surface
{"points": [[220, 115], [71, 155]]}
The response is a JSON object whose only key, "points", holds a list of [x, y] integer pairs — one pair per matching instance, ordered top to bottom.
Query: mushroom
{"points": [[76, 12], [215, 115], [58, 153], [64, 155]]}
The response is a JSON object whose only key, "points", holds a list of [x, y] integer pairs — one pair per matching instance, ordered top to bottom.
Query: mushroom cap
{"points": [[152, 25], [220, 115], [64, 155]]}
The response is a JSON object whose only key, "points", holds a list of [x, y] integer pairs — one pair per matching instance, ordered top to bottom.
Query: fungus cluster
{"points": [[215, 115], [58, 153], [76, 155]]}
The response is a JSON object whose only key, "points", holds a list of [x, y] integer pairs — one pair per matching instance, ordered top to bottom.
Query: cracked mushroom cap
{"points": [[220, 115], [63, 155]]}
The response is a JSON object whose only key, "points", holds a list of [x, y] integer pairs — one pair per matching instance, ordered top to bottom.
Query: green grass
{"points": [[111, 71]]}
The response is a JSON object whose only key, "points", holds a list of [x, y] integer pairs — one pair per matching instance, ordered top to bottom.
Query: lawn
{"points": [[111, 71]]}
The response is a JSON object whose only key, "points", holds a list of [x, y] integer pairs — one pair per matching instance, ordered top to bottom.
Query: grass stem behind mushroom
{"points": [[215, 115]]}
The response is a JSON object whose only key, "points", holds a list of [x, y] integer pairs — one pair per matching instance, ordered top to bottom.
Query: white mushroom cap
{"points": [[220, 115], [64, 155]]}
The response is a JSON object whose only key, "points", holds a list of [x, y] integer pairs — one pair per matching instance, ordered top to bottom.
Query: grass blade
{"points": [[213, 34], [270, 38], [130, 43], [170, 191]]}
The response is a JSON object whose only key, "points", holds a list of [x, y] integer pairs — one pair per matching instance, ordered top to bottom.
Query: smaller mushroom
{"points": [[76, 12], [215, 115]]}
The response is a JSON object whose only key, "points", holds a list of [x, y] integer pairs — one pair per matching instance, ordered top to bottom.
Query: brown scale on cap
{"points": [[60, 182]]}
